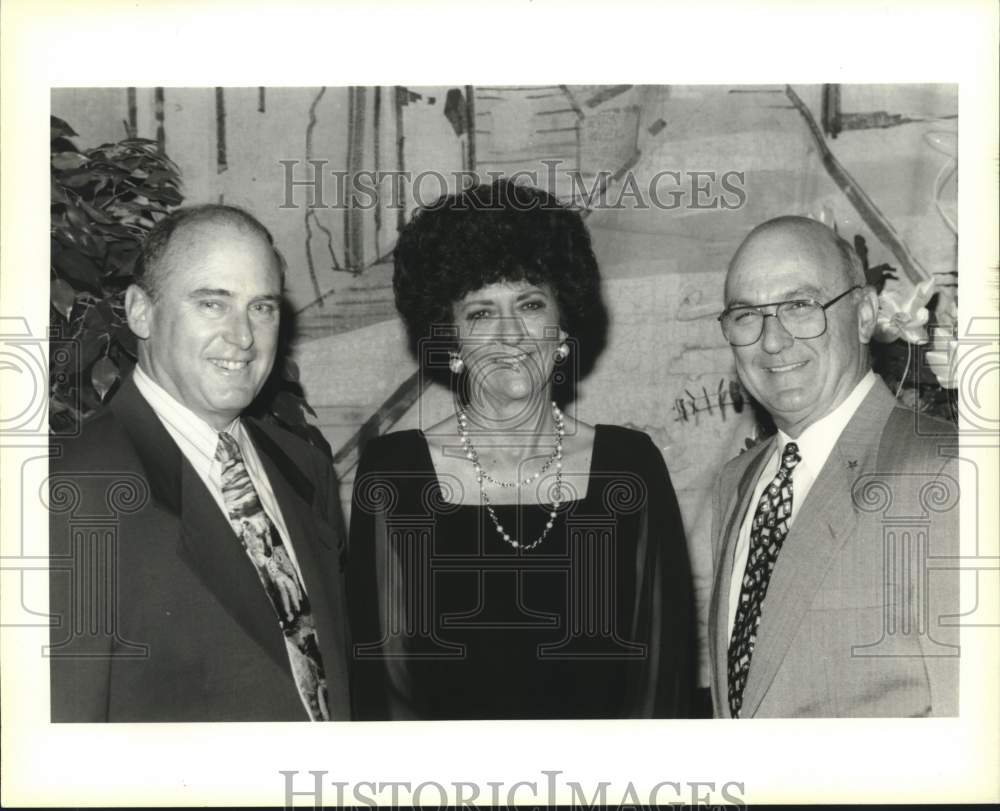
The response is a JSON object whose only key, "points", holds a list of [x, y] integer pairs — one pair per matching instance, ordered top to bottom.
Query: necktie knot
{"points": [[227, 449], [790, 458]]}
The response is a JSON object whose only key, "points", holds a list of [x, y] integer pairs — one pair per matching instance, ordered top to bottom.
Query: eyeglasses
{"points": [[802, 318]]}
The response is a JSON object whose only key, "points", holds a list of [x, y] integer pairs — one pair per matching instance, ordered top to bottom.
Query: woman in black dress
{"points": [[512, 561]]}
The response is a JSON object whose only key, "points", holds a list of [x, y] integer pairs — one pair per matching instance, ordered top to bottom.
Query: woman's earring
{"points": [[562, 352], [456, 364]]}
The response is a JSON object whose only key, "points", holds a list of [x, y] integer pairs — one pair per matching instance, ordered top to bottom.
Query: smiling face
{"points": [[508, 333], [210, 336], [800, 381]]}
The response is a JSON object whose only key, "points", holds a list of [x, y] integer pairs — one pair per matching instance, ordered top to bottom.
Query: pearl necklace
{"points": [[482, 476]]}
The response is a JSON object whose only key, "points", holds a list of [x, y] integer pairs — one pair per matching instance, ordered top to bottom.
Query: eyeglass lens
{"points": [[802, 319]]}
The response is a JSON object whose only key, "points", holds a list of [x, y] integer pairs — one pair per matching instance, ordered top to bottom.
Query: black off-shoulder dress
{"points": [[450, 622]]}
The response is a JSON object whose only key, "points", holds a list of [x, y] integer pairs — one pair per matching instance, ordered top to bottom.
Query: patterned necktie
{"points": [[767, 533], [263, 545]]}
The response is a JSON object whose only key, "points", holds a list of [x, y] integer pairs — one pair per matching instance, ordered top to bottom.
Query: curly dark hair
{"points": [[499, 232]]}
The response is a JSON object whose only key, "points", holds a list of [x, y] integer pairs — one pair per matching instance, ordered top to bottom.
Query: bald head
{"points": [[190, 228], [801, 236], [801, 380]]}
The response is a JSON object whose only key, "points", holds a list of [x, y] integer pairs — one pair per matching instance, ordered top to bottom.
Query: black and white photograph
{"points": [[450, 413]]}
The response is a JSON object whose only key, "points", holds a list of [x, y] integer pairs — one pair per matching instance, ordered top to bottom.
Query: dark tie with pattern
{"points": [[767, 533], [263, 545]]}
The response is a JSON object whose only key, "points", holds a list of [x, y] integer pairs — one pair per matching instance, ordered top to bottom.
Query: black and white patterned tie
{"points": [[767, 533], [263, 545]]}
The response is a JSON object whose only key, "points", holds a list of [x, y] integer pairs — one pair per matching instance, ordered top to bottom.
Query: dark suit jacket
{"points": [[861, 612], [159, 614]]}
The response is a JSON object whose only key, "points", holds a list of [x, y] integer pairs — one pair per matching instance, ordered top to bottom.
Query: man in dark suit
{"points": [[196, 554], [835, 589]]}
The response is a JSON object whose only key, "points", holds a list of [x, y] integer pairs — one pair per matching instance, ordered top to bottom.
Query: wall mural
{"points": [[670, 178]]}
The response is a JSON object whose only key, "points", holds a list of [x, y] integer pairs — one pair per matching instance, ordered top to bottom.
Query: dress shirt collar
{"points": [[201, 439]]}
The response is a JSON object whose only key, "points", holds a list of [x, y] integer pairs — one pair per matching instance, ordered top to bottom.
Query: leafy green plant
{"points": [[104, 201]]}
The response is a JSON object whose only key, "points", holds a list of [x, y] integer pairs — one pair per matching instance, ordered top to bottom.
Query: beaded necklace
{"points": [[482, 476]]}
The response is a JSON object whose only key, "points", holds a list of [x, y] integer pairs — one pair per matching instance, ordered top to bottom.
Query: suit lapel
{"points": [[161, 458], [734, 511], [824, 523], [205, 541], [210, 548]]}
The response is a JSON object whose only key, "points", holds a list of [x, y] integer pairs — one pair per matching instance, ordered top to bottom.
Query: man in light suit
{"points": [[196, 554], [832, 594]]}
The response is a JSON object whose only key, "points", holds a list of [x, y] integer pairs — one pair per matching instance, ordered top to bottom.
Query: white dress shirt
{"points": [[198, 442], [815, 444]]}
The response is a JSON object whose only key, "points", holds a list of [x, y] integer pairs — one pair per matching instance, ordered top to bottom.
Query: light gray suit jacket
{"points": [[860, 618]]}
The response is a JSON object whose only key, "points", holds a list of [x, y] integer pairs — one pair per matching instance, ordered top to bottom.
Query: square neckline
{"points": [[598, 430]]}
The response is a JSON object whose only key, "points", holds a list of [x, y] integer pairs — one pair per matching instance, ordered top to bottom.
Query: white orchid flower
{"points": [[905, 318]]}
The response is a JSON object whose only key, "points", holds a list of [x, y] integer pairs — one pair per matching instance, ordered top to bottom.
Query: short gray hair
{"points": [[149, 266]]}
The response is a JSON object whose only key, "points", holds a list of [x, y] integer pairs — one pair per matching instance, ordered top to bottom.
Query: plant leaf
{"points": [[60, 129], [64, 161], [77, 179], [57, 194], [171, 196], [95, 213], [77, 217], [117, 231], [121, 260], [78, 268], [63, 297], [126, 340], [103, 376], [89, 400], [286, 408]]}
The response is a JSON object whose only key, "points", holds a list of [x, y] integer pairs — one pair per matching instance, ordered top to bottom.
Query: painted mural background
{"points": [[670, 177]]}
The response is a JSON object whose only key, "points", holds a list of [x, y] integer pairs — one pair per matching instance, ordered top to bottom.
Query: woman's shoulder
{"points": [[623, 438], [618, 447], [394, 451]]}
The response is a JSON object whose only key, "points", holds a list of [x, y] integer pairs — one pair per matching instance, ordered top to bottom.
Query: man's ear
{"points": [[138, 310], [867, 314]]}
